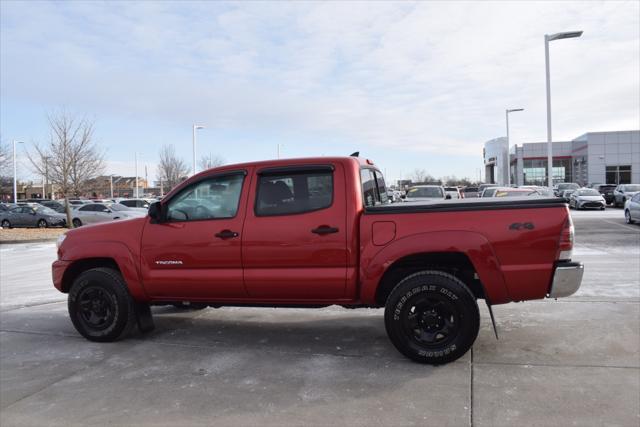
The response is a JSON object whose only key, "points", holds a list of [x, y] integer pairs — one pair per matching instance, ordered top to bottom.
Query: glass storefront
{"points": [[535, 171], [618, 174]]}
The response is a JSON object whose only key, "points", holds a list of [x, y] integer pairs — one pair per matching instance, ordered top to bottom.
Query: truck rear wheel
{"points": [[100, 306], [432, 317]]}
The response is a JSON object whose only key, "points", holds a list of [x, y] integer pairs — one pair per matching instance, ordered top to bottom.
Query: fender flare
{"points": [[474, 245], [117, 251]]}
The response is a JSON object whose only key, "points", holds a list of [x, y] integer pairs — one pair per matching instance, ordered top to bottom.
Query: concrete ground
{"points": [[574, 361]]}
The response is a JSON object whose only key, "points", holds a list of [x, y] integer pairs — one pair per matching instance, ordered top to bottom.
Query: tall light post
{"points": [[548, 38], [513, 110], [195, 128], [136, 160], [15, 172], [111, 186]]}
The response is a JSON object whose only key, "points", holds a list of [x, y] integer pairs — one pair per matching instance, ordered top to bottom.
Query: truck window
{"points": [[374, 191], [296, 192], [211, 198]]}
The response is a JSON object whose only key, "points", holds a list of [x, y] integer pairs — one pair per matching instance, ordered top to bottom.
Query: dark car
{"points": [[559, 189], [607, 191], [468, 192], [32, 216]]}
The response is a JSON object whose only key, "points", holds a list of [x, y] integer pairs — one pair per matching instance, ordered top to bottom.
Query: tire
{"points": [[627, 217], [76, 222], [6, 223], [42, 224], [100, 306], [432, 317]]}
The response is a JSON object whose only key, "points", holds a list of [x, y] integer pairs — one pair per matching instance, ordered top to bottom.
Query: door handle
{"points": [[324, 229], [226, 234]]}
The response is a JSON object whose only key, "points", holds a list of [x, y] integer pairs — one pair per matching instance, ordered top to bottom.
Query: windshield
{"points": [[568, 186], [628, 188], [450, 189], [434, 192], [489, 192], [507, 193], [588, 193], [118, 207], [45, 210]]}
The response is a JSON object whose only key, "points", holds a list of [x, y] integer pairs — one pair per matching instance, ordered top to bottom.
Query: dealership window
{"points": [[535, 171], [618, 174]]}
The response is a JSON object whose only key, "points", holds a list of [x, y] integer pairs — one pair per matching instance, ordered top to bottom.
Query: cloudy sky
{"points": [[410, 85]]}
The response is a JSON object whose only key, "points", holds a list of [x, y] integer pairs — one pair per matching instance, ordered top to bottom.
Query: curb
{"points": [[11, 242]]}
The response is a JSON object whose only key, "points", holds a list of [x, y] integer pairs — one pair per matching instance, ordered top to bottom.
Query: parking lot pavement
{"points": [[574, 361]]}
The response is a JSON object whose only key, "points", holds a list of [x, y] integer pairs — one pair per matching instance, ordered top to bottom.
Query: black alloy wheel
{"points": [[6, 223], [76, 223], [42, 224], [100, 306], [432, 317]]}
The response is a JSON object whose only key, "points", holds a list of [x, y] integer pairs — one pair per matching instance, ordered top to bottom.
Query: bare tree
{"points": [[70, 158], [4, 159], [210, 161], [172, 169], [421, 176]]}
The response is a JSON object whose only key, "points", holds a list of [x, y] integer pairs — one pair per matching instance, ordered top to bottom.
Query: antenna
{"points": [[356, 154]]}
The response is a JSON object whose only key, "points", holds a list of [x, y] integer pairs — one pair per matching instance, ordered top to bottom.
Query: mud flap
{"points": [[144, 318], [493, 320]]}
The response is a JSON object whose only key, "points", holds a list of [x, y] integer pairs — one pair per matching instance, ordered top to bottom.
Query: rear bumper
{"points": [[57, 272], [566, 279]]}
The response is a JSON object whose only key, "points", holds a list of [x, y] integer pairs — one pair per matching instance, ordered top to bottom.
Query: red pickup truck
{"points": [[312, 233]]}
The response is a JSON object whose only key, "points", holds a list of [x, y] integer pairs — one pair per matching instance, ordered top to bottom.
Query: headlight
{"points": [[60, 240]]}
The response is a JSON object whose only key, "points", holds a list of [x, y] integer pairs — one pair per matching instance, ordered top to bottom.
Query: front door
{"points": [[294, 243], [194, 252]]}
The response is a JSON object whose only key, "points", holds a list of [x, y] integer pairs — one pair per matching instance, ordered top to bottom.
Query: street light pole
{"points": [[548, 38], [513, 110], [195, 128], [136, 158], [15, 172], [111, 186]]}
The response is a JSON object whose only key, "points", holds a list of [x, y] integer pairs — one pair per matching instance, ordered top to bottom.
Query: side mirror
{"points": [[448, 196], [155, 210]]}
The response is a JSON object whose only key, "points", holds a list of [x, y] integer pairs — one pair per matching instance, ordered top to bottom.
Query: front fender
{"points": [[474, 245], [117, 251]]}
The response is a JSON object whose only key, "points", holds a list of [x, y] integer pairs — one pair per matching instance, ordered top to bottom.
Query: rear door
{"points": [[294, 243], [194, 253]]}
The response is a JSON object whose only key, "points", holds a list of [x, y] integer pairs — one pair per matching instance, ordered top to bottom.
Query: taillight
{"points": [[566, 239]]}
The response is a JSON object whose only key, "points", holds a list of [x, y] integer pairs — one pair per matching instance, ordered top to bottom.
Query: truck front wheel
{"points": [[100, 306], [432, 317]]}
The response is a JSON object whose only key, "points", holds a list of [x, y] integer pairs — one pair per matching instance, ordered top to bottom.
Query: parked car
{"points": [[483, 187], [559, 188], [607, 191], [454, 192], [469, 192], [489, 192], [515, 192], [624, 192], [426, 193], [587, 198], [136, 203], [632, 209], [93, 213], [31, 216], [315, 232]]}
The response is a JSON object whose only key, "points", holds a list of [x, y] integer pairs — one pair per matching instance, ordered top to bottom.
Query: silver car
{"points": [[624, 192], [426, 193], [587, 198], [632, 209], [94, 213], [31, 216]]}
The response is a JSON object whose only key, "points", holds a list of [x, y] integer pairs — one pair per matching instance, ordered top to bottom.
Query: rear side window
{"points": [[374, 191], [295, 192]]}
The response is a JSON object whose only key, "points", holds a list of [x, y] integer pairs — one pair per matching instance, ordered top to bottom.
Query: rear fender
{"points": [[474, 245], [117, 251]]}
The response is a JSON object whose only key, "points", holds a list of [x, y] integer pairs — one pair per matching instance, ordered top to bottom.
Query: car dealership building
{"points": [[592, 158]]}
